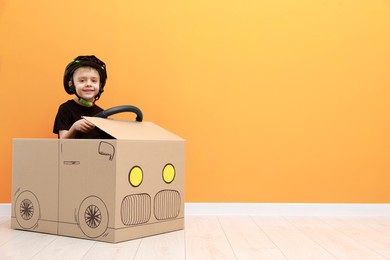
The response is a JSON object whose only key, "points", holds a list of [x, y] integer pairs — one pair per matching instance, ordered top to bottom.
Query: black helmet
{"points": [[85, 61]]}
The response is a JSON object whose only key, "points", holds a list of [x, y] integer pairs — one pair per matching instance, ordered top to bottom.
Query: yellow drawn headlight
{"points": [[169, 173], [135, 176]]}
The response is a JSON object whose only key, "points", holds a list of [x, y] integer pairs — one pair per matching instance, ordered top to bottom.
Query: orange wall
{"points": [[279, 101]]}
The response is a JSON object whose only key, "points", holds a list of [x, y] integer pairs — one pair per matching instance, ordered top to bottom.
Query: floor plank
{"points": [[380, 224], [361, 232], [6, 233], [205, 239], [248, 240], [334, 241], [293, 243], [25, 245], [165, 246], [65, 248], [120, 251]]}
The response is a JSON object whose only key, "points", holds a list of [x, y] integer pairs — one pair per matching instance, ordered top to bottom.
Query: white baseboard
{"points": [[5, 209], [271, 209], [286, 209]]}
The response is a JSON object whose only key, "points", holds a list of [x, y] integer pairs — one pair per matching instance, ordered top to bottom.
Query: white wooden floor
{"points": [[222, 237]]}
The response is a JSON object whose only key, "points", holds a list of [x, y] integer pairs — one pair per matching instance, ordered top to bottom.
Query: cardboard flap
{"points": [[132, 130]]}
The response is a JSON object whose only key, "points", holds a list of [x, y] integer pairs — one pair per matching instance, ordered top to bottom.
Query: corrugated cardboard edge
{"points": [[133, 130]]}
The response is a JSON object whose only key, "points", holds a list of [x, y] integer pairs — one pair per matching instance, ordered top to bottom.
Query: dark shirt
{"points": [[70, 112]]}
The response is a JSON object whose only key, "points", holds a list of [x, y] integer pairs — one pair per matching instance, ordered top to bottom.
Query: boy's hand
{"points": [[83, 126]]}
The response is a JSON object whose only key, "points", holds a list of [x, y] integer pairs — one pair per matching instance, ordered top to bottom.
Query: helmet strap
{"points": [[86, 103]]}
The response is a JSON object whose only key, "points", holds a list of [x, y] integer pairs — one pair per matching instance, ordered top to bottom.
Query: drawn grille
{"points": [[167, 204], [136, 209]]}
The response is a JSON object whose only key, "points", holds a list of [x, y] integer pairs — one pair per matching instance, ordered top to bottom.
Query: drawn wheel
{"points": [[27, 211], [93, 217]]}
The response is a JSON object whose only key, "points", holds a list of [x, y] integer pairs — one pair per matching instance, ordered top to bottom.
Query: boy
{"points": [[85, 77]]}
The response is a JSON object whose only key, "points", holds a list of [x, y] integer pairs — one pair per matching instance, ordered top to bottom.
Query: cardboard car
{"points": [[109, 190]]}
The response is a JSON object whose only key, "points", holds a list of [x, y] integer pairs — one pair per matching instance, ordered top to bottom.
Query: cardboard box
{"points": [[103, 189]]}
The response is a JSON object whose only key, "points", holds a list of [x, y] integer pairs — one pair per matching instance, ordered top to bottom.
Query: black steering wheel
{"points": [[120, 109]]}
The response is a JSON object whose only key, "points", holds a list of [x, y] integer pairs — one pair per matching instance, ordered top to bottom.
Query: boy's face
{"points": [[87, 83]]}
